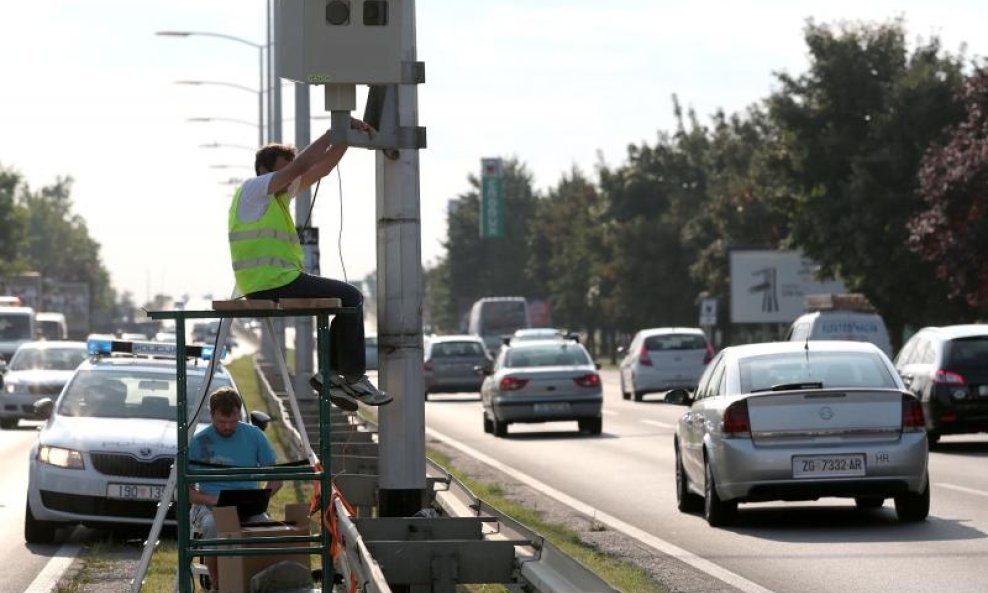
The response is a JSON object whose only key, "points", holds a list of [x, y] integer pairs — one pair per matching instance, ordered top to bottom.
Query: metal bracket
{"points": [[381, 112]]}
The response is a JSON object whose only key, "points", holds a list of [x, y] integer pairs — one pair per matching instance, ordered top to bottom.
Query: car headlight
{"points": [[59, 457]]}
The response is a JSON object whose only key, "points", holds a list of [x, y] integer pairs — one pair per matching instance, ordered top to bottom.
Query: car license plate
{"points": [[553, 407], [816, 466], [134, 491]]}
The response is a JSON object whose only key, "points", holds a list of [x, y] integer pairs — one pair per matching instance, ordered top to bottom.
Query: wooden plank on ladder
{"points": [[311, 303], [245, 305]]}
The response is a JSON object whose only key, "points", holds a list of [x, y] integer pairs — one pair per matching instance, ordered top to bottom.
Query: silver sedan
{"points": [[542, 382], [800, 421]]}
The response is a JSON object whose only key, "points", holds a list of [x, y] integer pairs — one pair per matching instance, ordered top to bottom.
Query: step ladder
{"points": [[181, 474]]}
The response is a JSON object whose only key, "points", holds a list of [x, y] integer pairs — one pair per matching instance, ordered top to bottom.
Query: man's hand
{"points": [[362, 126]]}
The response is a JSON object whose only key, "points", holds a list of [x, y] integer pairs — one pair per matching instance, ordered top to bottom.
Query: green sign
{"points": [[491, 199]]}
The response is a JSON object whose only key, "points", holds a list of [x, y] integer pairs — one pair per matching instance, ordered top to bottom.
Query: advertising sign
{"points": [[491, 198], [769, 286]]}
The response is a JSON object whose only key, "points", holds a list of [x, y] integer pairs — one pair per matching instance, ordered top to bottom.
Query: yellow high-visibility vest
{"points": [[266, 252]]}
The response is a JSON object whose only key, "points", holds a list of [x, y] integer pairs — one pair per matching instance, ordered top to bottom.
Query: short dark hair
{"points": [[267, 156], [225, 400]]}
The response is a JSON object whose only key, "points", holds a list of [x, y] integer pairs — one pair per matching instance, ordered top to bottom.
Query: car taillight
{"points": [[709, 355], [643, 358], [427, 366], [942, 377], [591, 380], [511, 383], [912, 415], [736, 422]]}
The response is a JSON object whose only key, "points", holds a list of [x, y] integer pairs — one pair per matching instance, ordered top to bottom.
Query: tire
{"points": [[624, 392], [639, 395], [425, 396], [8, 423], [488, 423], [591, 425], [500, 428], [932, 438], [686, 501], [868, 502], [913, 507], [717, 512], [35, 531]]}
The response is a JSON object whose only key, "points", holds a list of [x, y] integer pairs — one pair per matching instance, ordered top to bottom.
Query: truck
{"points": [[494, 318], [16, 327]]}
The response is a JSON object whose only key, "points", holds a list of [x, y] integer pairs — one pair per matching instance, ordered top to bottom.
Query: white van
{"points": [[840, 317], [494, 318], [51, 326], [16, 327]]}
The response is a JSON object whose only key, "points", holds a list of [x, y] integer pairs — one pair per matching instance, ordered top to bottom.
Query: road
{"points": [[820, 547]]}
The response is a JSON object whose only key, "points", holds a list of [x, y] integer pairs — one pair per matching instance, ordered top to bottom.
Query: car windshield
{"points": [[15, 327], [675, 342], [457, 349], [967, 353], [547, 356], [51, 359], [829, 369], [134, 394]]}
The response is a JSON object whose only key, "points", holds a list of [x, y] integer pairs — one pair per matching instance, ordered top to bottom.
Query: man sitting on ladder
{"points": [[267, 257]]}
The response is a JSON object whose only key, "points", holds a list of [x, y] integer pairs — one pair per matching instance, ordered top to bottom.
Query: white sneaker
{"points": [[363, 390]]}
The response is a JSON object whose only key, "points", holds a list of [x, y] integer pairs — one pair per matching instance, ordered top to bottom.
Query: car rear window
{"points": [[676, 342], [456, 349], [967, 353], [547, 356], [831, 369]]}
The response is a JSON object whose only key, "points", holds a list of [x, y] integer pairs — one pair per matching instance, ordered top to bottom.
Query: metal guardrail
{"points": [[539, 565]]}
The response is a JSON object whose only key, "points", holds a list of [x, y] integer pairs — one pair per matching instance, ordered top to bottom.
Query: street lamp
{"points": [[260, 70]]}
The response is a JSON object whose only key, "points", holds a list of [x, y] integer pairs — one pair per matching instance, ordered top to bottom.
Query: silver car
{"points": [[37, 369], [542, 382], [800, 421]]}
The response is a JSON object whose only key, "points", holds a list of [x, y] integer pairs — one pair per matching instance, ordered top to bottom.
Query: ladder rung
{"points": [[245, 305], [226, 476], [267, 539], [262, 551]]}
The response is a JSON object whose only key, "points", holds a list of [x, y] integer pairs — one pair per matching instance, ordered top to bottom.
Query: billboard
{"points": [[769, 286]]}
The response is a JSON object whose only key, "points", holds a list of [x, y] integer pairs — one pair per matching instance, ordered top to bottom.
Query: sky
{"points": [[89, 91]]}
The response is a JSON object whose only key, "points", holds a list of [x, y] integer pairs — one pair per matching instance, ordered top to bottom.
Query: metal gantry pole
{"points": [[303, 325]]}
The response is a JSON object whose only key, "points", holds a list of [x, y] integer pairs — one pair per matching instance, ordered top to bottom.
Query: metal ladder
{"points": [[181, 474]]}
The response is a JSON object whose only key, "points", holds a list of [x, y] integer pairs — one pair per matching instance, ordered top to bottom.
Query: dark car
{"points": [[451, 362], [947, 369]]}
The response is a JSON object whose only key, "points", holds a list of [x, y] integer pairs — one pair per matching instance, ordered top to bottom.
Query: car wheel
{"points": [[624, 392], [639, 395], [425, 396], [8, 423], [488, 424], [591, 425], [499, 427], [932, 438], [686, 501], [868, 502], [914, 506], [716, 511], [35, 531]]}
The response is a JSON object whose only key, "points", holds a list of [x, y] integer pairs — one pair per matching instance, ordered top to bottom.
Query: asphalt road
{"points": [[820, 547]]}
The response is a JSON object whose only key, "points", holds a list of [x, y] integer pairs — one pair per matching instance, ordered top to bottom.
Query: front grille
{"points": [[35, 389], [124, 464], [103, 507]]}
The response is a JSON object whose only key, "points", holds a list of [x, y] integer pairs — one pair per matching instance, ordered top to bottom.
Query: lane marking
{"points": [[659, 424], [961, 489], [667, 548], [48, 578]]}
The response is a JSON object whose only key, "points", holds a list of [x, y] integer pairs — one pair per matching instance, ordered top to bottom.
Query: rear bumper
{"points": [[649, 379], [506, 409], [946, 415], [749, 473]]}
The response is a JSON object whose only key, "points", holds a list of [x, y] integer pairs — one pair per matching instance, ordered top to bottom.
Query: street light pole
{"points": [[260, 68]]}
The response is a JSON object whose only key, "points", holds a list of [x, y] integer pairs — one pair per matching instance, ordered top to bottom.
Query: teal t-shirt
{"points": [[246, 447]]}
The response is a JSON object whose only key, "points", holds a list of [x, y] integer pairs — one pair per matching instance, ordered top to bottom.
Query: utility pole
{"points": [[309, 236]]}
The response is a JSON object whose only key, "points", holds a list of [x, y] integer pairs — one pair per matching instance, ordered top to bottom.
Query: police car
{"points": [[104, 454]]}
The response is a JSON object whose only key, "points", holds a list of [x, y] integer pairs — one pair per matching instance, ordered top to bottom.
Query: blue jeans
{"points": [[346, 332]]}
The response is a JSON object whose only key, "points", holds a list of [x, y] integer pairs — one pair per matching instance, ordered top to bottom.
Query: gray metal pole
{"points": [[260, 96], [399, 305], [304, 348]]}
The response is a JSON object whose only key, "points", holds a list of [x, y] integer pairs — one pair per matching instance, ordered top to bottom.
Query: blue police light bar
{"points": [[107, 346]]}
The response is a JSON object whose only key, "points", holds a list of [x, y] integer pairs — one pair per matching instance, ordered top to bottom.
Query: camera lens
{"points": [[338, 12], [375, 13]]}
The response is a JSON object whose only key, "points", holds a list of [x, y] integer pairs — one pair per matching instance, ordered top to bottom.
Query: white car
{"points": [[663, 358], [37, 370], [106, 450]]}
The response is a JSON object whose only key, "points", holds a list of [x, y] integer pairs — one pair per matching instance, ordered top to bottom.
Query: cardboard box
{"points": [[236, 571]]}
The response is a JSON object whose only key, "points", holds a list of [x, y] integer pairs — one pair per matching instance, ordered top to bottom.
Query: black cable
{"points": [[339, 238]]}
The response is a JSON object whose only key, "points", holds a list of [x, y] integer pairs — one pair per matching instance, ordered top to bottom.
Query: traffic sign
{"points": [[708, 311]]}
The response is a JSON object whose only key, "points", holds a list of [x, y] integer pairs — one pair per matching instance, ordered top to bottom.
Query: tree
{"points": [[852, 131], [12, 228], [952, 233]]}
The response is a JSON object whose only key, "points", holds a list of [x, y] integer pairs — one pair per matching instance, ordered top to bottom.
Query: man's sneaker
{"points": [[362, 389], [337, 395]]}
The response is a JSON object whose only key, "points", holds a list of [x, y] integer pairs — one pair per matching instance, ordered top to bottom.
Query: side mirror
{"points": [[679, 397], [43, 408], [260, 419]]}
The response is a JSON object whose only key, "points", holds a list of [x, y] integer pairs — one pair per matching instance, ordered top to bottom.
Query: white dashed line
{"points": [[961, 489]]}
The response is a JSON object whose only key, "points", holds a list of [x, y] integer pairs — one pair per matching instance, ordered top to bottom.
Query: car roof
{"points": [[656, 331], [949, 332], [454, 338], [534, 344], [811, 346]]}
